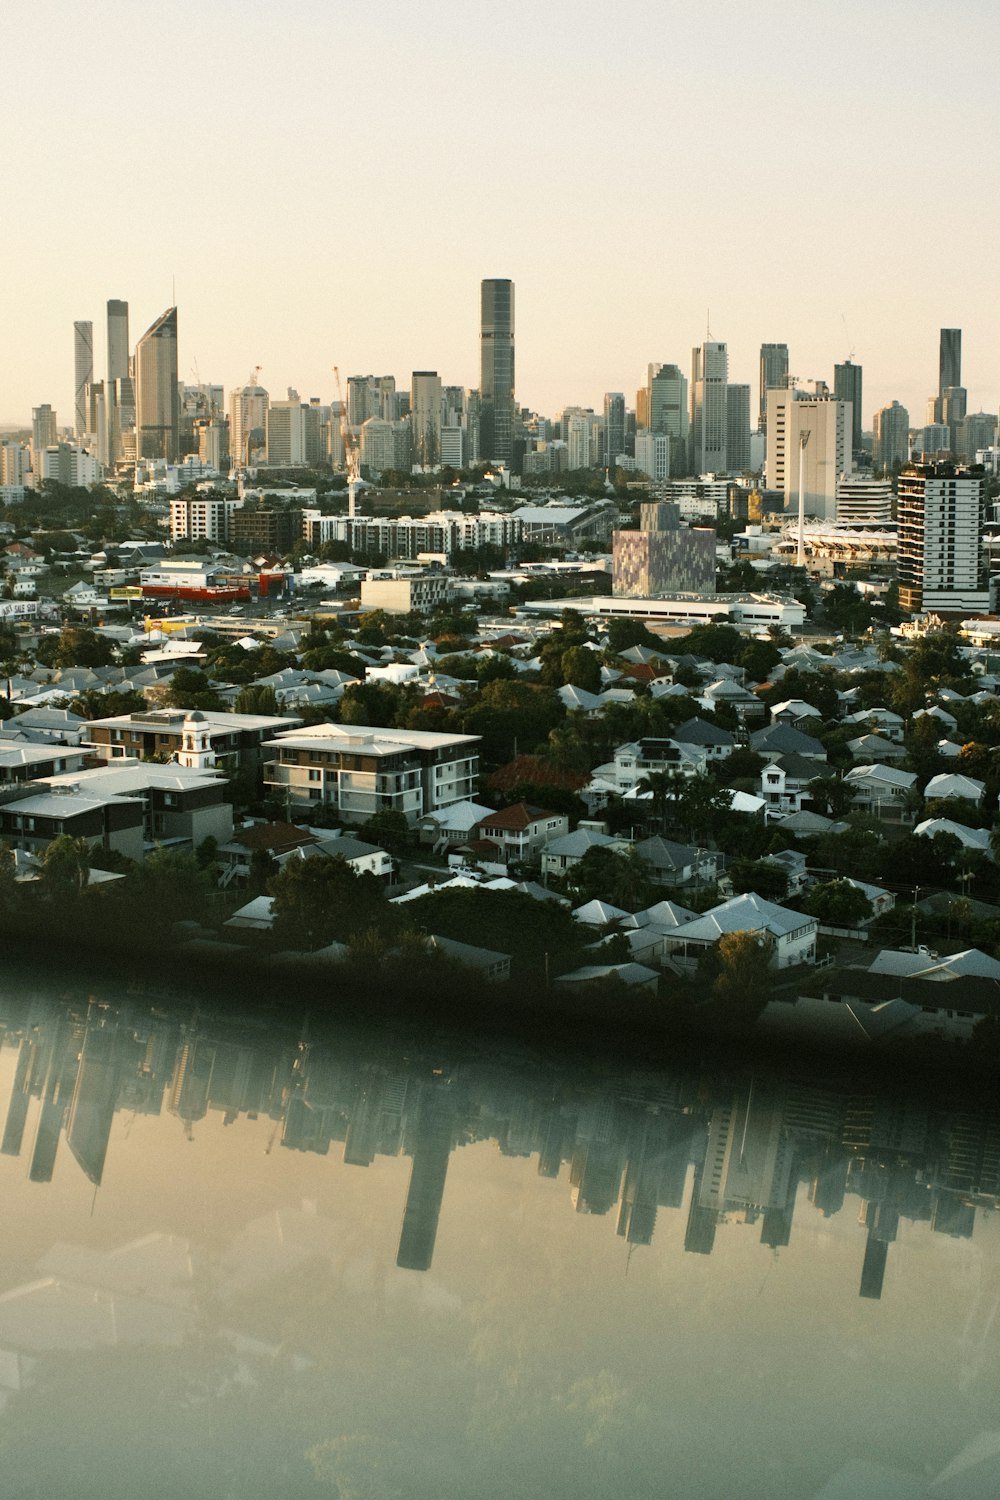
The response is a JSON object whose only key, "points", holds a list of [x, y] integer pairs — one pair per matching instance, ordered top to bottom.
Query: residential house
{"points": [[724, 693], [797, 713], [881, 721], [699, 735], [782, 739], [869, 748], [784, 782], [950, 784], [883, 789], [452, 825], [520, 832], [975, 839], [563, 853], [678, 864], [792, 933]]}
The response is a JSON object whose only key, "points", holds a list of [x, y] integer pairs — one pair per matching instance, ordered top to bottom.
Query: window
{"points": [[315, 775]]}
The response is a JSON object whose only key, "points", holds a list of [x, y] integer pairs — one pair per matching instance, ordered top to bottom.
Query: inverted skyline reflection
{"points": [[447, 1270]]}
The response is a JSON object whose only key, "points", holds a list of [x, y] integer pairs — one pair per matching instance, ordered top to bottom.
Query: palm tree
{"points": [[661, 785]]}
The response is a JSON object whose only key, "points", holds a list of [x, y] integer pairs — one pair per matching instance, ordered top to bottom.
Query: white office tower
{"points": [[83, 374], [248, 406], [709, 408], [285, 425], [809, 435], [652, 454], [863, 500], [942, 560]]}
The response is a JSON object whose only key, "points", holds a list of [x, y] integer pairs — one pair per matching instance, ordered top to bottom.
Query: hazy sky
{"points": [[328, 183]]}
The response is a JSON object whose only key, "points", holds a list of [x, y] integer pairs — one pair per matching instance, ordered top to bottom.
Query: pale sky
{"points": [[328, 184]]}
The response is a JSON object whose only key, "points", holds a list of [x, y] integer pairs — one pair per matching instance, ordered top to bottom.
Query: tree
{"points": [[76, 647], [582, 668], [190, 688], [256, 699], [832, 795], [389, 829], [65, 867], [759, 875], [318, 900], [837, 903], [739, 971]]}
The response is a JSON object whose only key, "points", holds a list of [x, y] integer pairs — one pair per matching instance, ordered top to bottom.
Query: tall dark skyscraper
{"points": [[118, 344], [950, 359], [773, 374], [496, 383], [847, 387], [157, 408], [614, 427]]}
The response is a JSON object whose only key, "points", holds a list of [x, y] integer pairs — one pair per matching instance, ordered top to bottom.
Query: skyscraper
{"points": [[118, 345], [949, 359], [83, 374], [773, 375], [496, 384], [847, 387], [156, 397], [248, 406], [709, 408], [425, 417], [614, 427], [738, 428], [44, 430], [810, 434], [891, 436], [942, 564]]}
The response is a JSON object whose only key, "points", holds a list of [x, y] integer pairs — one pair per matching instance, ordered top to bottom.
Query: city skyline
{"points": [[348, 274]]}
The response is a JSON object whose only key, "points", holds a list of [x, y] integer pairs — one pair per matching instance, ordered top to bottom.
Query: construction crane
{"points": [[352, 454]]}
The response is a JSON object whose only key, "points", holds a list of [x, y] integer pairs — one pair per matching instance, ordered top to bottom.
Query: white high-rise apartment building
{"points": [[709, 408], [825, 424], [44, 430], [578, 440], [863, 500], [198, 518], [942, 561]]}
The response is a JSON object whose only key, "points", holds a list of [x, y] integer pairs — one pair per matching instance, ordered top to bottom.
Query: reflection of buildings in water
{"points": [[434, 1137], [629, 1147]]}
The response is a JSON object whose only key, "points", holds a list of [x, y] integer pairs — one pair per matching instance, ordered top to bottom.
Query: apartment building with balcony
{"points": [[360, 770]]}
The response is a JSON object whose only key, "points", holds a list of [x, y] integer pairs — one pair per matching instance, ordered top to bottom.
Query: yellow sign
{"points": [[132, 592], [167, 627]]}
